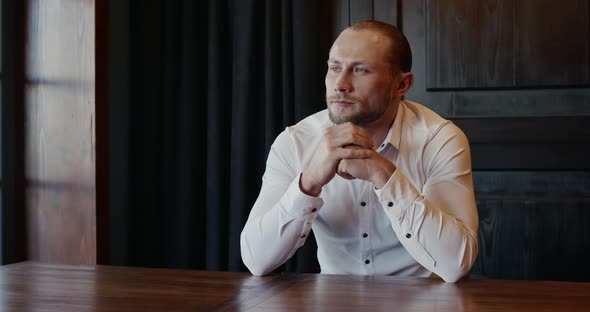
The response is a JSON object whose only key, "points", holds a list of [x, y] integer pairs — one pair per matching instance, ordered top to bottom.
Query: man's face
{"points": [[359, 81]]}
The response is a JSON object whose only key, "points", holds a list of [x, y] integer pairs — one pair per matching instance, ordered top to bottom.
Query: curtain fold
{"points": [[211, 84]]}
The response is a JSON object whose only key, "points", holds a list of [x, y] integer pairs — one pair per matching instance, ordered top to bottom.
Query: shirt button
{"points": [[363, 204], [390, 204], [314, 209], [365, 235], [408, 235], [303, 236], [367, 261]]}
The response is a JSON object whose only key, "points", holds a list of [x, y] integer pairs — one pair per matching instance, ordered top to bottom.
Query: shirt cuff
{"points": [[397, 194], [297, 204]]}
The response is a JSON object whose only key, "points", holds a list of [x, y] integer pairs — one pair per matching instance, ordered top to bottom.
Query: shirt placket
{"points": [[365, 213]]}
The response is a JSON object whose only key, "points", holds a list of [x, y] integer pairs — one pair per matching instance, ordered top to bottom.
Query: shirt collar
{"points": [[394, 134]]}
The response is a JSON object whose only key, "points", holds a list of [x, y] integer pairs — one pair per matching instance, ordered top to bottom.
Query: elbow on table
{"points": [[254, 265], [257, 269], [457, 271], [453, 276]]}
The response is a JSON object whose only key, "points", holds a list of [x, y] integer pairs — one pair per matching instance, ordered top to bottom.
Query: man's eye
{"points": [[335, 68], [361, 70]]}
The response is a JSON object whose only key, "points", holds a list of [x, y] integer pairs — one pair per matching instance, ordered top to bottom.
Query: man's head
{"points": [[368, 72]]}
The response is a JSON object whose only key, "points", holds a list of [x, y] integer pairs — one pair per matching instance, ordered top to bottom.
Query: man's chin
{"points": [[340, 118], [356, 119]]}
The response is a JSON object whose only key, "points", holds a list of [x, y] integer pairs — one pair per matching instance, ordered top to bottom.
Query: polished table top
{"points": [[30, 286]]}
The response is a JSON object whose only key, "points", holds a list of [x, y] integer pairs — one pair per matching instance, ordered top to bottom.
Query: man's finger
{"points": [[348, 135], [351, 139], [352, 153], [346, 175]]}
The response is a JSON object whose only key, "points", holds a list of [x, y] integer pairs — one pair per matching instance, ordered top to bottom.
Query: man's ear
{"points": [[405, 83]]}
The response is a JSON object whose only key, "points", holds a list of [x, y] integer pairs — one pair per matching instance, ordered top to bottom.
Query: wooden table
{"points": [[31, 286]]}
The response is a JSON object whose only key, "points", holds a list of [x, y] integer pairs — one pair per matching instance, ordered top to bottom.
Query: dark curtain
{"points": [[199, 91]]}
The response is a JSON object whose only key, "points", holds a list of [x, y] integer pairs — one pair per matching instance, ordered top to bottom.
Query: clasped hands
{"points": [[346, 150]]}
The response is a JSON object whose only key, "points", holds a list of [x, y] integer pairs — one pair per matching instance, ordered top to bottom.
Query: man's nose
{"points": [[343, 84]]}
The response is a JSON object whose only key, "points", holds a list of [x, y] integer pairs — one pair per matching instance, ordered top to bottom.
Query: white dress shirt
{"points": [[422, 221]]}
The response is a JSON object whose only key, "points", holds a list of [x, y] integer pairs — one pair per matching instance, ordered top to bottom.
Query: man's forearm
{"points": [[271, 237], [438, 240]]}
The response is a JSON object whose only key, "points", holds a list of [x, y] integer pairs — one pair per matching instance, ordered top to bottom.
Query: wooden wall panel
{"points": [[361, 10], [386, 11], [347, 12], [341, 18], [413, 24], [551, 42], [469, 43], [507, 43], [518, 103], [60, 127], [546, 130], [528, 143], [527, 156], [540, 185], [534, 219], [530, 220], [533, 224], [533, 239]]}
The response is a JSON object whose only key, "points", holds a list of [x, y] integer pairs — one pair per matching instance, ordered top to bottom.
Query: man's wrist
{"points": [[381, 176], [308, 189]]}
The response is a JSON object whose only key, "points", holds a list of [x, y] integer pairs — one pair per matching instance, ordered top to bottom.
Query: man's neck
{"points": [[378, 129]]}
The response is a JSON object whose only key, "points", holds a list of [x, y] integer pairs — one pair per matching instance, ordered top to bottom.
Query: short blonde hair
{"points": [[401, 53]]}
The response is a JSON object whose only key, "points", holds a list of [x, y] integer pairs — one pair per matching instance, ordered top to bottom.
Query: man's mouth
{"points": [[342, 103]]}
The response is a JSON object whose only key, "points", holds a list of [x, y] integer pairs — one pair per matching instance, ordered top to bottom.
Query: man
{"points": [[385, 183]]}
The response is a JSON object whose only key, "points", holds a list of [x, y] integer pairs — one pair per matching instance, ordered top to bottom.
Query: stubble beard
{"points": [[360, 118]]}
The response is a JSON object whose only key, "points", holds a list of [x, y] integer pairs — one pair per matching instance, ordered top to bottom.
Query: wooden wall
{"points": [[514, 75], [60, 151]]}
